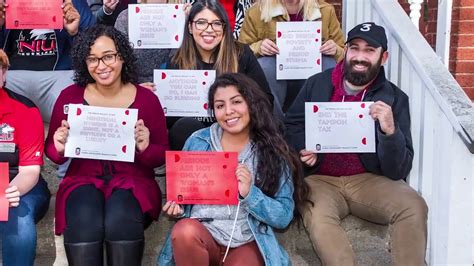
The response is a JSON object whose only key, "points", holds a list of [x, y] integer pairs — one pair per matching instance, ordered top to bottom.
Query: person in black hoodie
{"points": [[368, 185]]}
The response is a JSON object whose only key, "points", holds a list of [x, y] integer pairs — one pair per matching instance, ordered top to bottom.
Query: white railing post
{"points": [[415, 12], [443, 30]]}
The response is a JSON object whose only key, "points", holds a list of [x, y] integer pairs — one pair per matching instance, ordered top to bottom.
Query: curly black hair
{"points": [[81, 50]]}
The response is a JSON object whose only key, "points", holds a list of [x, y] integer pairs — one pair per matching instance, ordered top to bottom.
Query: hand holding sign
{"points": [[110, 5], [3, 6], [71, 18], [268, 48], [328, 48], [383, 113], [142, 136], [60, 137], [309, 158], [244, 178], [13, 196], [172, 209]]}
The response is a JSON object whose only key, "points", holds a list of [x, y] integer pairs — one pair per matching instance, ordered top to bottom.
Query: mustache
{"points": [[357, 62]]}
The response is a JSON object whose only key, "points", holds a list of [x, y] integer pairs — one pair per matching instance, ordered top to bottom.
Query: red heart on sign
{"points": [[176, 7], [137, 9], [54, 18], [318, 30], [279, 34], [176, 38], [318, 61], [206, 73], [163, 75], [362, 105], [205, 106], [315, 109], [78, 112], [127, 112], [361, 116], [124, 123], [364, 141], [124, 149], [226, 156], [176, 158], [224, 166], [227, 193]]}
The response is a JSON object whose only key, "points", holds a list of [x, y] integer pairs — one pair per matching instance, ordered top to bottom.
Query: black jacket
{"points": [[394, 154]]}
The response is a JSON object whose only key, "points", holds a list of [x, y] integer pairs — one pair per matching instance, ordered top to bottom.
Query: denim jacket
{"points": [[265, 213]]}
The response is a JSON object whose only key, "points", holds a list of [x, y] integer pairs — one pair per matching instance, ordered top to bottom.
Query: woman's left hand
{"points": [[328, 48], [142, 136], [244, 178], [13, 196]]}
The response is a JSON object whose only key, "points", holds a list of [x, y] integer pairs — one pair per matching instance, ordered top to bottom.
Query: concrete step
{"points": [[369, 241]]}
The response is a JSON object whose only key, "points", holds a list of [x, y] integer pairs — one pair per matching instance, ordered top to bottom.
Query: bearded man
{"points": [[367, 185]]}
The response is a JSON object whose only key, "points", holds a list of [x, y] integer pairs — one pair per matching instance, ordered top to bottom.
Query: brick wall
{"points": [[461, 63]]}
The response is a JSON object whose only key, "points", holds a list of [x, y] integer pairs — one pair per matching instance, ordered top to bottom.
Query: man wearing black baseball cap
{"points": [[368, 185]]}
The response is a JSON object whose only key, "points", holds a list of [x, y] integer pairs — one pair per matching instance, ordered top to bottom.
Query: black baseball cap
{"points": [[370, 32]]}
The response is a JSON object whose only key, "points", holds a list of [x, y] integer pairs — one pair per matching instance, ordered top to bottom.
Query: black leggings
{"points": [[91, 218]]}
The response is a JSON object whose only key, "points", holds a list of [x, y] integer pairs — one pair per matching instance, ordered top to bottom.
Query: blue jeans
{"points": [[19, 233]]}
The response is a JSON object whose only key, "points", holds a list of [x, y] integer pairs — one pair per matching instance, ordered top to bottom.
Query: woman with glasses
{"points": [[258, 31], [208, 45], [98, 200]]}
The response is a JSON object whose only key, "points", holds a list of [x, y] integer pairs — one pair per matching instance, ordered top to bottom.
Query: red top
{"points": [[229, 9], [20, 127], [341, 164], [138, 176]]}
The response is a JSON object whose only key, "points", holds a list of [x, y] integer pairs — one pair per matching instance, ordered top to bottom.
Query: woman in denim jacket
{"points": [[269, 183]]}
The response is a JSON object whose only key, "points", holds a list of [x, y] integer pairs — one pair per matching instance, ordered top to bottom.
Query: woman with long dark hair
{"points": [[208, 44], [269, 183]]}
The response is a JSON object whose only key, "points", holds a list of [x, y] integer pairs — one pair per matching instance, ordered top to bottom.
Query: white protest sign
{"points": [[156, 26], [299, 44], [183, 92], [339, 127], [101, 133]]}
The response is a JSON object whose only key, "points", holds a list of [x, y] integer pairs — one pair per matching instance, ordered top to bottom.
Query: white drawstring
{"points": [[233, 227], [232, 233]]}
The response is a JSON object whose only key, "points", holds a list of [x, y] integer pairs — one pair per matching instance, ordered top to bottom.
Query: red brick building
{"points": [[461, 58]]}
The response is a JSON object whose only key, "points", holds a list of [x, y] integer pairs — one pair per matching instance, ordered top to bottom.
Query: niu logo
{"points": [[37, 46]]}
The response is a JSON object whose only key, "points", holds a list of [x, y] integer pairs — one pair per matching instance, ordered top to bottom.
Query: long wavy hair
{"points": [[267, 6], [82, 48], [225, 56], [275, 157]]}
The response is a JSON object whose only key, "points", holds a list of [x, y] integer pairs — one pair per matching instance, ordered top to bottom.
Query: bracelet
{"points": [[105, 12]]}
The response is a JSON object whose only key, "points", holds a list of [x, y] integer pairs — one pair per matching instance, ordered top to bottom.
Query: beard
{"points": [[358, 78]]}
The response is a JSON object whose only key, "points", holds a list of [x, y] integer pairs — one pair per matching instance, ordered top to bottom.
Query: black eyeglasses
{"points": [[202, 24], [107, 59]]}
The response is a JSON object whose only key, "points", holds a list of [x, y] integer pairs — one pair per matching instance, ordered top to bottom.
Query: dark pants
{"points": [[91, 218]]}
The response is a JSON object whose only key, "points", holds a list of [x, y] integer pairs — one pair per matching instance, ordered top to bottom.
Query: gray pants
{"points": [[41, 87], [279, 88]]}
